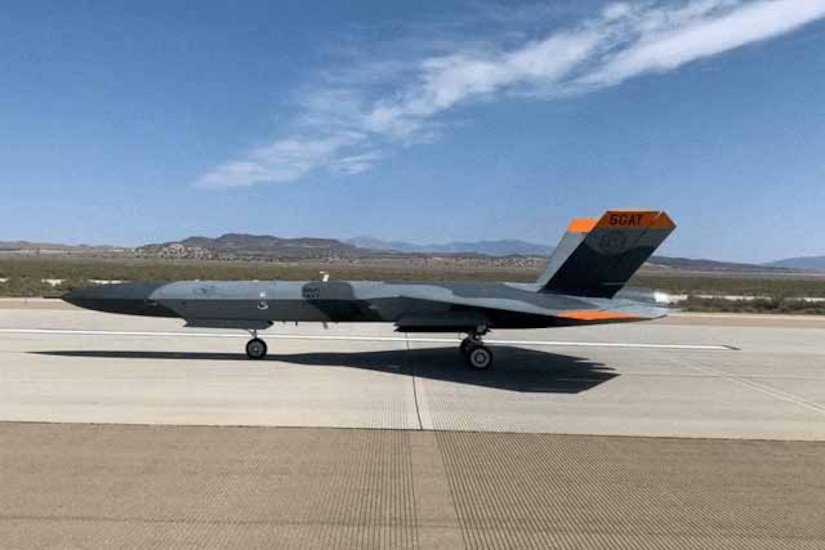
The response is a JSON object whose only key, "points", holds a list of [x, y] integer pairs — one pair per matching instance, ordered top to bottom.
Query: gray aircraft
{"points": [[582, 284]]}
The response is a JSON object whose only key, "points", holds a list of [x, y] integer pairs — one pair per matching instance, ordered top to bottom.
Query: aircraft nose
{"points": [[92, 296], [74, 297], [133, 298]]}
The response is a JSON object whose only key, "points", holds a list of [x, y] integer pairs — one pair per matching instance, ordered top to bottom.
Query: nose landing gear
{"points": [[255, 348], [478, 356]]}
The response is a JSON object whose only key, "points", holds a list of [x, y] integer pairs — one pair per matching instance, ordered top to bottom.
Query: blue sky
{"points": [[131, 122]]}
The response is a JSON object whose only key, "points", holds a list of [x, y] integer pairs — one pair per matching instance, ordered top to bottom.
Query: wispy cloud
{"points": [[703, 29], [359, 115], [289, 159]]}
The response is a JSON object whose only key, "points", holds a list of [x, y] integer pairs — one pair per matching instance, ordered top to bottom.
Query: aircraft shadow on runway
{"points": [[516, 369]]}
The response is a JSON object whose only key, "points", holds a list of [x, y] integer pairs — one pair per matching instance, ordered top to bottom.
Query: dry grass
{"points": [[25, 274]]}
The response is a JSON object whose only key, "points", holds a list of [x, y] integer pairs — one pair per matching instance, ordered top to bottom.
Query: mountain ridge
{"points": [[243, 245], [501, 247], [811, 263]]}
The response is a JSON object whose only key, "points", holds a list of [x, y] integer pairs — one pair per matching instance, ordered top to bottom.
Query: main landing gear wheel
{"points": [[256, 349], [479, 357]]}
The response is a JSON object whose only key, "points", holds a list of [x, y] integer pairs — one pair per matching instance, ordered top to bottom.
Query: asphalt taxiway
{"points": [[690, 431]]}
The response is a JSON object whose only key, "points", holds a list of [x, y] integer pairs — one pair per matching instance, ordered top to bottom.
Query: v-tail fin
{"points": [[596, 257]]}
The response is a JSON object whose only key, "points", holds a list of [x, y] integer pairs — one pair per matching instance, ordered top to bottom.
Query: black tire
{"points": [[465, 347], [256, 349], [479, 358]]}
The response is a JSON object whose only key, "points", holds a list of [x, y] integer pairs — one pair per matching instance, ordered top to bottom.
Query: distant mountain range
{"points": [[264, 243], [240, 246], [36, 248], [489, 248], [524, 248], [807, 263], [711, 265]]}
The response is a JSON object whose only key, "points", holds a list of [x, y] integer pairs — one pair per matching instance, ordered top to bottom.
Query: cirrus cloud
{"points": [[352, 122]]}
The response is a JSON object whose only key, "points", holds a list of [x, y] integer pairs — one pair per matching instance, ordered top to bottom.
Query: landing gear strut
{"points": [[255, 348], [478, 356]]}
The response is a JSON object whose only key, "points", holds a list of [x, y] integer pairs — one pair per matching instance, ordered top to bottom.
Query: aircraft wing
{"points": [[522, 309]]}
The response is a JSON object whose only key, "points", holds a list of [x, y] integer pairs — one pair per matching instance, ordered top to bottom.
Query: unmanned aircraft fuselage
{"points": [[582, 284]]}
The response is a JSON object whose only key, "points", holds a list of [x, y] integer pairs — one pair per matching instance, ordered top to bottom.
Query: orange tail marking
{"points": [[634, 219], [582, 225]]}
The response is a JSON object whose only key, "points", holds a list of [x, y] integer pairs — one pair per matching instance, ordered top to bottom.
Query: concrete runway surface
{"points": [[694, 431]]}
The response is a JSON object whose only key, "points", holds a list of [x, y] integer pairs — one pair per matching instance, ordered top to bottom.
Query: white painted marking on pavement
{"points": [[356, 338], [743, 380]]}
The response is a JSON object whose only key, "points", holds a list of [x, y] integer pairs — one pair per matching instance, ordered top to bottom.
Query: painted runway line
{"points": [[365, 338]]}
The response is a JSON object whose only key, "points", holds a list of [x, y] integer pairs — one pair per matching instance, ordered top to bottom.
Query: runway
{"points": [[671, 379], [691, 431]]}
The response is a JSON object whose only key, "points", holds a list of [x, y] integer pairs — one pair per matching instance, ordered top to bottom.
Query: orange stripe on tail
{"points": [[582, 225]]}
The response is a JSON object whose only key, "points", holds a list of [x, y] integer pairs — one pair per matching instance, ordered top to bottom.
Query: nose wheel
{"points": [[256, 348], [478, 356]]}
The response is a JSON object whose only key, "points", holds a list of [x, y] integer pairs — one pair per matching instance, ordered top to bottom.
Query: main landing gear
{"points": [[255, 348], [478, 356]]}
